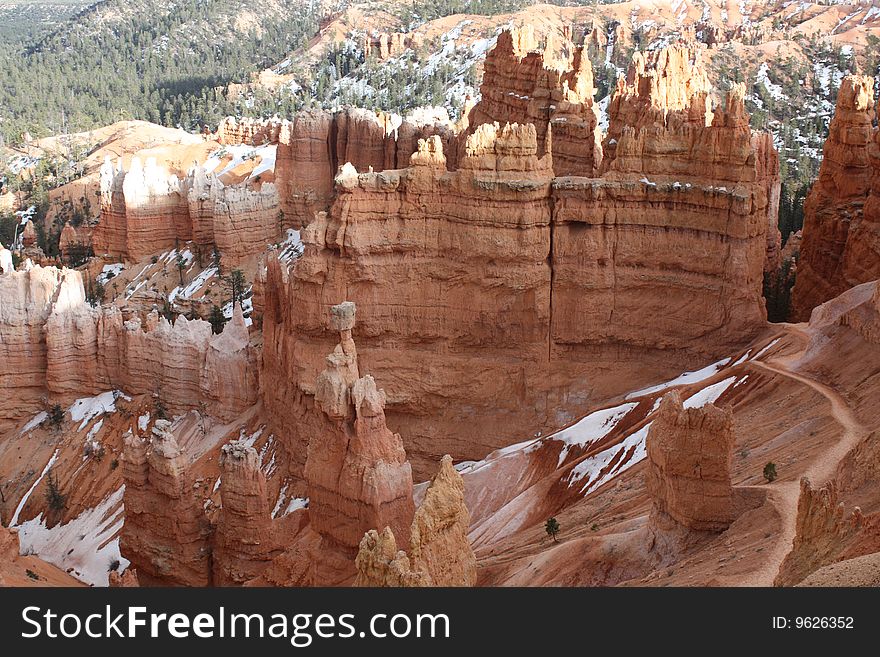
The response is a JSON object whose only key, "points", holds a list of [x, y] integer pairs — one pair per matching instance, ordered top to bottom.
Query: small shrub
{"points": [[55, 416], [114, 464], [770, 471], [54, 497], [552, 528], [114, 566], [30, 573]]}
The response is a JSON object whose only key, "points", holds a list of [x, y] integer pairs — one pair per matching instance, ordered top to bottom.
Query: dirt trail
{"points": [[784, 496]]}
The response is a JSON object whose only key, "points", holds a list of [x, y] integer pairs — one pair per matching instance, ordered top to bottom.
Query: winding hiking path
{"points": [[784, 496]]}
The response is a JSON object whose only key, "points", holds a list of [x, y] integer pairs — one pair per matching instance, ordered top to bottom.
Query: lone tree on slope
{"points": [[552, 529]]}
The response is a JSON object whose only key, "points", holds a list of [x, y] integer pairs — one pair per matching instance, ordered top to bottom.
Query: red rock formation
{"points": [[384, 45], [524, 85], [253, 132], [315, 144], [146, 210], [239, 221], [841, 234], [28, 235], [68, 240], [472, 265], [27, 299], [93, 350], [689, 454], [357, 474], [823, 529], [165, 534], [243, 542], [440, 553], [128, 579]]}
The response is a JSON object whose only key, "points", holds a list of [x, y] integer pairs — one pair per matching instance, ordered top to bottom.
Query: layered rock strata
{"points": [[315, 144], [841, 234], [511, 286], [29, 298], [91, 350], [165, 535]]}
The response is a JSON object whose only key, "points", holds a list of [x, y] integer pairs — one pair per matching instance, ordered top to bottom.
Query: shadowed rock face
{"points": [[841, 235], [689, 453], [357, 475], [165, 534]]}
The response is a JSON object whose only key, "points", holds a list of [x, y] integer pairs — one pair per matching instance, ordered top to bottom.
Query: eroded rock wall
{"points": [[841, 234]]}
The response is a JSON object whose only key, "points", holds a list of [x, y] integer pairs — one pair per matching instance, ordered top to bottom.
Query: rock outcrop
{"points": [[522, 84], [252, 132], [315, 144], [147, 210], [238, 221], [841, 234], [499, 261], [6, 265], [27, 299], [91, 350], [357, 475], [688, 475], [822, 531], [165, 535], [243, 543], [439, 551], [128, 579]]}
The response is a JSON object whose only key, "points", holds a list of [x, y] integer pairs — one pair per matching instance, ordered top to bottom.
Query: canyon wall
{"points": [[316, 143], [146, 210], [841, 234], [502, 290], [29, 297], [91, 350], [165, 534]]}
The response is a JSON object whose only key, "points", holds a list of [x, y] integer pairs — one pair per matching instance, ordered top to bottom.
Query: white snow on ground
{"points": [[774, 90], [602, 109], [239, 154], [267, 161], [291, 248], [109, 272], [194, 285], [765, 349], [683, 379], [709, 394], [88, 408], [144, 421], [34, 422], [591, 428], [94, 430], [588, 473], [281, 495], [296, 503], [18, 509], [86, 546]]}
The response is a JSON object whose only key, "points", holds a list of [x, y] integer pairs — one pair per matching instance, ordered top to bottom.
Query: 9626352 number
{"points": [[823, 622]]}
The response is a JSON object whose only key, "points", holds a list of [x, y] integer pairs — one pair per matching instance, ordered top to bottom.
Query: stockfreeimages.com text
{"points": [[300, 629]]}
